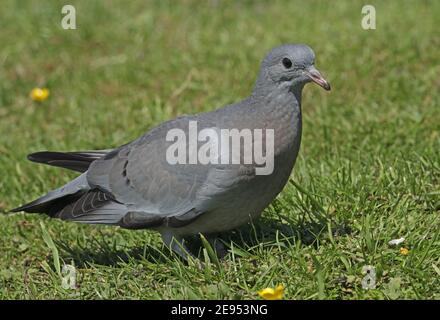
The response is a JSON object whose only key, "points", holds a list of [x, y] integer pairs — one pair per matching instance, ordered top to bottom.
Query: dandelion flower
{"points": [[39, 94], [404, 251], [271, 293]]}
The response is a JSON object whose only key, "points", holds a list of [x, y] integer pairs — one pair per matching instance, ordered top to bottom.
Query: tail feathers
{"points": [[77, 161], [57, 199], [76, 201], [48, 205], [94, 206]]}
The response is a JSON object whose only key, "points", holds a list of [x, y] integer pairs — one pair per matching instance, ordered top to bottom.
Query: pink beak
{"points": [[316, 77]]}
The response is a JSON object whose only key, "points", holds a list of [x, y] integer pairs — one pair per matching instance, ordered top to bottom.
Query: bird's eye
{"points": [[287, 63]]}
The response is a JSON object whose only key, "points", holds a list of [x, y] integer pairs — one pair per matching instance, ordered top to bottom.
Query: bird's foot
{"points": [[177, 245], [218, 246]]}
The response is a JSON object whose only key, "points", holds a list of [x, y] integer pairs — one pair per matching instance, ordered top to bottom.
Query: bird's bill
{"points": [[317, 78]]}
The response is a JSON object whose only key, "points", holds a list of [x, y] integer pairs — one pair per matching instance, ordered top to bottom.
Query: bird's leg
{"points": [[176, 243], [218, 246]]}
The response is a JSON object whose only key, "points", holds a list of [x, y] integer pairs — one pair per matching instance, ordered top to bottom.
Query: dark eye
{"points": [[287, 63]]}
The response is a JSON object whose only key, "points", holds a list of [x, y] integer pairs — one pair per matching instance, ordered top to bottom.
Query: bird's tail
{"points": [[77, 161], [57, 199]]}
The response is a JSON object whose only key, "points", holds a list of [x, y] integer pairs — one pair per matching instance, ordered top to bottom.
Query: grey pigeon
{"points": [[135, 187]]}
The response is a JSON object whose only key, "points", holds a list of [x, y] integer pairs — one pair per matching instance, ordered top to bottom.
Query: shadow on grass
{"points": [[265, 231], [270, 232], [103, 254]]}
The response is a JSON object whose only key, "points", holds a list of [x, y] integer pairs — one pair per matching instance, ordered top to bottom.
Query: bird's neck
{"points": [[266, 90], [281, 98], [280, 109]]}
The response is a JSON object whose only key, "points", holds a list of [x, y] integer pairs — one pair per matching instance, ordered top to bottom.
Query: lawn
{"points": [[368, 170]]}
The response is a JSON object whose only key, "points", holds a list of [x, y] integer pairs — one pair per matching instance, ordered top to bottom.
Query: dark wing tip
{"points": [[37, 156]]}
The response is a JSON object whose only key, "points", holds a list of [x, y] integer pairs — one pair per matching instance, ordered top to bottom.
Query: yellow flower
{"points": [[39, 94], [404, 251], [271, 293]]}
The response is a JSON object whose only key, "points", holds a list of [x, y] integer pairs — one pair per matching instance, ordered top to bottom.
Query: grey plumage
{"points": [[134, 187]]}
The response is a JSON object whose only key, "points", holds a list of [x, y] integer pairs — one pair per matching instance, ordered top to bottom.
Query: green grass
{"points": [[368, 170]]}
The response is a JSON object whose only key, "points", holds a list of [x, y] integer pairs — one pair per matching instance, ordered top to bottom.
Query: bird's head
{"points": [[290, 66]]}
